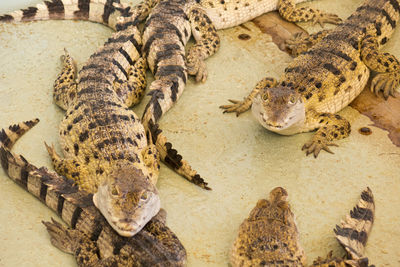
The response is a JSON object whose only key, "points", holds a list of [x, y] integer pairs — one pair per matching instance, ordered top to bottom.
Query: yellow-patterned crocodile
{"points": [[172, 22], [166, 32], [327, 77], [107, 151], [269, 236], [90, 238]]}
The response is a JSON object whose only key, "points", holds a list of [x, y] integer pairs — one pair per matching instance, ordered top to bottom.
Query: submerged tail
{"points": [[101, 11], [171, 157], [353, 232]]}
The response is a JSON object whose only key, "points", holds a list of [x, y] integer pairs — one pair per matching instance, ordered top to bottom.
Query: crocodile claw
{"points": [[321, 18], [298, 43], [196, 66], [385, 83], [237, 106], [315, 146]]}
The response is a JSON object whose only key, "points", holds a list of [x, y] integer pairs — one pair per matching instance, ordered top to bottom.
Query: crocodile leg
{"points": [[287, 9], [301, 42], [207, 43], [387, 66], [65, 85], [131, 91], [242, 106], [331, 127], [151, 158], [66, 167]]}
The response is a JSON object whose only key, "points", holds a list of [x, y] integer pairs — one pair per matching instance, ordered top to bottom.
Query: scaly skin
{"points": [[170, 25], [166, 33], [328, 76], [107, 151], [269, 236], [89, 237]]}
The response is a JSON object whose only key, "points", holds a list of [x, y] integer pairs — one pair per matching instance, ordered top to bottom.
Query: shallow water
{"points": [[241, 161]]}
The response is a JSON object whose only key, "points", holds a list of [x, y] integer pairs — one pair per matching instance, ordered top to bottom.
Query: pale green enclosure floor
{"points": [[241, 160]]}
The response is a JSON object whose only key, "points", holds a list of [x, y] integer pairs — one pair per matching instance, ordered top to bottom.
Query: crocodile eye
{"points": [[265, 97], [292, 99], [114, 192], [144, 196]]}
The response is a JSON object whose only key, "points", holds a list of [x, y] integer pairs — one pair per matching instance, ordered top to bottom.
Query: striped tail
{"points": [[100, 11], [171, 157], [16, 166], [57, 192], [76, 208], [352, 234]]}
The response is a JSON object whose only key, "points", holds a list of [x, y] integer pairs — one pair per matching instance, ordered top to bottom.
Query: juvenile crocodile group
{"points": [[113, 156], [269, 236], [90, 238]]}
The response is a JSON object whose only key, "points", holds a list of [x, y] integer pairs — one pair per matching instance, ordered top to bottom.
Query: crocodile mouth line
{"points": [[269, 124]]}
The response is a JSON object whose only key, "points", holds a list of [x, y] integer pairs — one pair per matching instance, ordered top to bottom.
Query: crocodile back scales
{"points": [[331, 74]]}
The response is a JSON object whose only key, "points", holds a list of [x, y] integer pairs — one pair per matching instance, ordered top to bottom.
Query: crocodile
{"points": [[172, 22], [166, 33], [332, 67], [107, 151], [269, 236], [88, 237]]}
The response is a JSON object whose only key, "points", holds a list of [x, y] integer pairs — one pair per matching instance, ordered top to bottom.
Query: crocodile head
{"points": [[279, 109], [128, 200]]}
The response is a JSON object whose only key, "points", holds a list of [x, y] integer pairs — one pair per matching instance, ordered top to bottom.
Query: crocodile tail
{"points": [[101, 11], [9, 136], [171, 157], [16, 166], [57, 192], [353, 232]]}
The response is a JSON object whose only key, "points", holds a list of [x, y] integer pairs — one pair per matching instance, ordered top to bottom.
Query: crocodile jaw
{"points": [[291, 123], [126, 223]]}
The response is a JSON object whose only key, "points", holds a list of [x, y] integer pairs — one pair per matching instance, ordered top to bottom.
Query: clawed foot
{"points": [[321, 18], [298, 43], [196, 66], [385, 83], [238, 107], [316, 144], [61, 237]]}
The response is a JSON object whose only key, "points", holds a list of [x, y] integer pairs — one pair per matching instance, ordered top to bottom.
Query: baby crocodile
{"points": [[107, 13], [172, 22], [166, 33], [327, 77], [107, 151], [269, 236], [90, 238]]}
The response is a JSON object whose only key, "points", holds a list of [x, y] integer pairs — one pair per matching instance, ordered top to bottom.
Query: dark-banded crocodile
{"points": [[107, 13], [172, 22], [166, 33], [328, 76], [107, 152], [269, 236], [90, 238]]}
